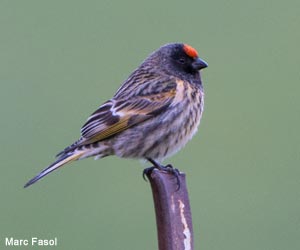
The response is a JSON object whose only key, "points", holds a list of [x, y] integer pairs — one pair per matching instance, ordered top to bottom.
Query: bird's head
{"points": [[177, 59]]}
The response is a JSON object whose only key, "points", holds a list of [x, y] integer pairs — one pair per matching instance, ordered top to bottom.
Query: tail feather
{"points": [[69, 149], [55, 165]]}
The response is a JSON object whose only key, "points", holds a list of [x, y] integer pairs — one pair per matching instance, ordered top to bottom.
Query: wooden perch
{"points": [[173, 213]]}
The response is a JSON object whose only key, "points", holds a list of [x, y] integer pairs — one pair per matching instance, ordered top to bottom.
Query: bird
{"points": [[153, 114]]}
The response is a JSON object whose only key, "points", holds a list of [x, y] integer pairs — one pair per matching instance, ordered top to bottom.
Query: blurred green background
{"points": [[59, 60]]}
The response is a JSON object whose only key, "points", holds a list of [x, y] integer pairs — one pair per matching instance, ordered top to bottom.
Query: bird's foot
{"points": [[168, 168], [147, 171]]}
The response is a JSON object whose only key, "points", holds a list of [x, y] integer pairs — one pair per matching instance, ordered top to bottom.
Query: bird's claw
{"points": [[168, 168], [147, 171], [174, 171]]}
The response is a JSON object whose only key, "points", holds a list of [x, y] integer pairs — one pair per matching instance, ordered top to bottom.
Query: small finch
{"points": [[154, 113]]}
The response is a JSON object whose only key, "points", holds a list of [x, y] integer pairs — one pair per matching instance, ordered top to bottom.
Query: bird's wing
{"points": [[117, 115]]}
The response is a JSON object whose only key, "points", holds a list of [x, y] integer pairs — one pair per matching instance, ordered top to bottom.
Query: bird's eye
{"points": [[182, 60]]}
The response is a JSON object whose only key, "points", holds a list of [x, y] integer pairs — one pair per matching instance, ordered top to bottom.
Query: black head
{"points": [[178, 59]]}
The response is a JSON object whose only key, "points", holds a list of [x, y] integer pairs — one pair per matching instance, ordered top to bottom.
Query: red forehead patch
{"points": [[190, 51]]}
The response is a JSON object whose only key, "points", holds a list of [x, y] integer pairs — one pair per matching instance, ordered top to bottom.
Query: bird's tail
{"points": [[61, 161]]}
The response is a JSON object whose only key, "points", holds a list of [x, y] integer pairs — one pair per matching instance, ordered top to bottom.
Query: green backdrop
{"points": [[59, 60]]}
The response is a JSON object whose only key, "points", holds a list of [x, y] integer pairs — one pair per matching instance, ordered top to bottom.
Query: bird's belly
{"points": [[162, 136]]}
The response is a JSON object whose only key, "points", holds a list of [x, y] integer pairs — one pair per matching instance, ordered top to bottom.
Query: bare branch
{"points": [[173, 213]]}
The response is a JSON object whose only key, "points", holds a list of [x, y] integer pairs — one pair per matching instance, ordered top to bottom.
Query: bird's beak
{"points": [[199, 64]]}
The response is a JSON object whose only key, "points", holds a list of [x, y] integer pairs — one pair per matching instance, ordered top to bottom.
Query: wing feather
{"points": [[124, 111], [117, 115]]}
